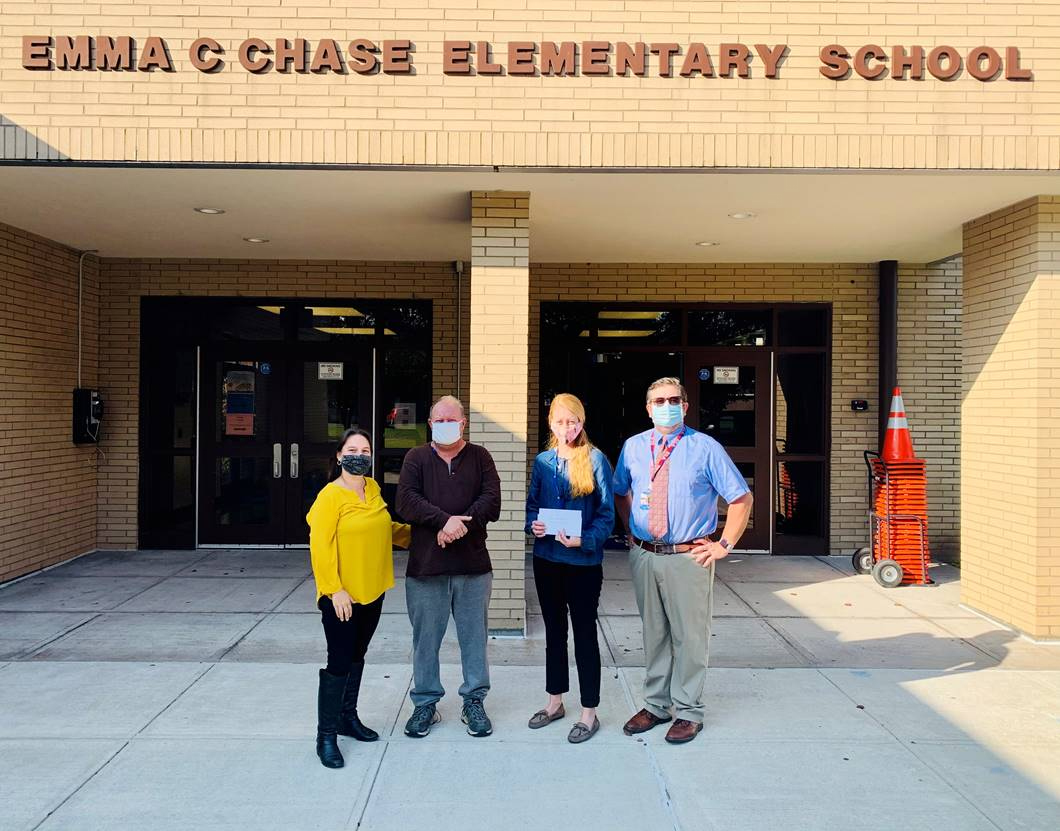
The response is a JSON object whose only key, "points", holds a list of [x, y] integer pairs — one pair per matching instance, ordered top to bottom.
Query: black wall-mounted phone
{"points": [[88, 416]]}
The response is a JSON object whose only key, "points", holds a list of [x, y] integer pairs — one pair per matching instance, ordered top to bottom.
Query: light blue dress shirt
{"points": [[700, 471]]}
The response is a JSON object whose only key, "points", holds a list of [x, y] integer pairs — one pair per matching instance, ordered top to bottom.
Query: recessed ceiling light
{"points": [[209, 211], [742, 215], [254, 239], [706, 244]]}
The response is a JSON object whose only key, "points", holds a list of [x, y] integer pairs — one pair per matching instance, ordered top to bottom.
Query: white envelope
{"points": [[556, 520]]}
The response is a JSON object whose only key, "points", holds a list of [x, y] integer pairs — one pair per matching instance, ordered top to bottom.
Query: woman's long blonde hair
{"points": [[580, 466]]}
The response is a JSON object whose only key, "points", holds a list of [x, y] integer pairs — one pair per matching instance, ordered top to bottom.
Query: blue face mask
{"points": [[666, 415], [445, 432]]}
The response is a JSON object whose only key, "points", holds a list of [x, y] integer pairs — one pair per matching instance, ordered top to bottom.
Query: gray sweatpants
{"points": [[431, 600]]}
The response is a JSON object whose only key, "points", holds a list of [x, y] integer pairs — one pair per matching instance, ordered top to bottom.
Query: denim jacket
{"points": [[550, 488]]}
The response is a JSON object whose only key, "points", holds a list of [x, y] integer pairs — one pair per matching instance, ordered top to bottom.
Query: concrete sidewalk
{"points": [[177, 689]]}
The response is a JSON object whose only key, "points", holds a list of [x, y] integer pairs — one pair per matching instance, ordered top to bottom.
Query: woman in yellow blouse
{"points": [[351, 539]]}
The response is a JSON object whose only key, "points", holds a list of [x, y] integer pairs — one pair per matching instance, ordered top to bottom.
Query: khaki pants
{"points": [[674, 596]]}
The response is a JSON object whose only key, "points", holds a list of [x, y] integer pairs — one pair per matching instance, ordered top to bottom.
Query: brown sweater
{"points": [[430, 491]]}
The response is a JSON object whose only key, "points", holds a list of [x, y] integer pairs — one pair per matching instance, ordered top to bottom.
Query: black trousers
{"points": [[561, 587], [348, 640]]}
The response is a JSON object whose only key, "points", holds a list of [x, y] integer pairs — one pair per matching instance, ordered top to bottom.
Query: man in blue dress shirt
{"points": [[667, 483]]}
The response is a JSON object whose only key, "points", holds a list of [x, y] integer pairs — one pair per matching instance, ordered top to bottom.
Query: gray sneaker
{"points": [[474, 716], [419, 723]]}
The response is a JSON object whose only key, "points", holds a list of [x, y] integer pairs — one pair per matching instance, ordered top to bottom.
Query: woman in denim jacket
{"points": [[568, 571]]}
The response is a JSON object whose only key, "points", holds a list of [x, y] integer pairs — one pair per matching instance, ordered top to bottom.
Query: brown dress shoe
{"points": [[642, 722], [683, 731]]}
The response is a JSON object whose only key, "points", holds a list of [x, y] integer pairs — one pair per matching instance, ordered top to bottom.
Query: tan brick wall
{"points": [[799, 119], [126, 281], [853, 292], [926, 308], [500, 363], [929, 372], [1010, 441], [47, 483]]}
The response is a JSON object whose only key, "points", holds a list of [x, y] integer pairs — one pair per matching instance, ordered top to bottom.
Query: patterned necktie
{"points": [[657, 519]]}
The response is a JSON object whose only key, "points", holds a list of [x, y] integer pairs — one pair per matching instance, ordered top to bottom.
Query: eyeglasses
{"points": [[673, 399]]}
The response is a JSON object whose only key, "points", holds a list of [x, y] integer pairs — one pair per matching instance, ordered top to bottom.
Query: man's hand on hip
{"points": [[706, 551]]}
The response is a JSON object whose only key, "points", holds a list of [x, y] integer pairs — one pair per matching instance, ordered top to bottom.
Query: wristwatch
{"points": [[724, 543]]}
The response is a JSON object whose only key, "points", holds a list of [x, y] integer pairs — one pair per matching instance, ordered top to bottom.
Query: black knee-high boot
{"points": [[329, 708], [349, 723]]}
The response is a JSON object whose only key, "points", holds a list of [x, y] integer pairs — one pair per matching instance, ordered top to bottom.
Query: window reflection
{"points": [[408, 321], [561, 322], [247, 323], [326, 323], [642, 326], [730, 327], [803, 327], [406, 393], [800, 403], [330, 405], [727, 406], [747, 470], [242, 490], [800, 498]]}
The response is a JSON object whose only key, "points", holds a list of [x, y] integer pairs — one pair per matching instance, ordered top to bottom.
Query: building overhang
{"points": [[647, 216]]}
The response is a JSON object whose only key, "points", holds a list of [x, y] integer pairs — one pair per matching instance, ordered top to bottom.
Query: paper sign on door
{"points": [[327, 371], [726, 375]]}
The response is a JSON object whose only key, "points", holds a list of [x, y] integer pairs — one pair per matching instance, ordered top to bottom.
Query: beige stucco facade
{"points": [[973, 306]]}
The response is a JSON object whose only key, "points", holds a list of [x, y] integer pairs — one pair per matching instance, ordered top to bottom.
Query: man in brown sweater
{"points": [[448, 491]]}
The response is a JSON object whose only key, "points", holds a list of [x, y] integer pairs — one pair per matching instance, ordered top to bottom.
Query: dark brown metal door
{"points": [[329, 389], [729, 392], [270, 423], [243, 430]]}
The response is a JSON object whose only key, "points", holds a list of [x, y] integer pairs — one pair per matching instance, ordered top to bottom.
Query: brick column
{"points": [[500, 358], [1010, 432]]}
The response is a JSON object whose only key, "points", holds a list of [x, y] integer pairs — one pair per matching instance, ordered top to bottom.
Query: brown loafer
{"points": [[542, 717], [642, 722], [683, 731]]}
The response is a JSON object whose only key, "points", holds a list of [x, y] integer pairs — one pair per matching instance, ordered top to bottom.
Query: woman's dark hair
{"points": [[350, 433]]}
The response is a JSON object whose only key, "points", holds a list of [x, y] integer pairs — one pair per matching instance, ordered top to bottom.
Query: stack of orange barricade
{"points": [[900, 500]]}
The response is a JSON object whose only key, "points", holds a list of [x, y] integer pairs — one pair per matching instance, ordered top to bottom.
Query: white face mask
{"points": [[445, 432]]}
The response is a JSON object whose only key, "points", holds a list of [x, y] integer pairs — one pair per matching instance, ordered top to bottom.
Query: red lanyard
{"points": [[665, 456]]}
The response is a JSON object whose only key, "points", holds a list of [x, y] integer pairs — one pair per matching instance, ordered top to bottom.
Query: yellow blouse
{"points": [[351, 542]]}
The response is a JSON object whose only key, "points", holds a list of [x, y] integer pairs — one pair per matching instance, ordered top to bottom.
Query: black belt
{"points": [[665, 547]]}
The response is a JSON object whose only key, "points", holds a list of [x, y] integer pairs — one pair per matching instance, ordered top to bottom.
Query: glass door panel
{"points": [[404, 405], [801, 503]]}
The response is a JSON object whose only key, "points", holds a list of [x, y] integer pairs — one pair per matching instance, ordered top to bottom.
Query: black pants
{"points": [[561, 587], [348, 640]]}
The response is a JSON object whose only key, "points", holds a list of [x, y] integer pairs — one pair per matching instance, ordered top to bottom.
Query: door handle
{"points": [[277, 461], [294, 461]]}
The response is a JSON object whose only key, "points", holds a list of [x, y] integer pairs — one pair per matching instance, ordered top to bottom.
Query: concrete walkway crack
{"points": [[176, 698], [653, 762], [78, 789]]}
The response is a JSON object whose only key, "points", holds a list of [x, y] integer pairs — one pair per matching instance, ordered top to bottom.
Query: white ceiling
{"points": [[575, 216]]}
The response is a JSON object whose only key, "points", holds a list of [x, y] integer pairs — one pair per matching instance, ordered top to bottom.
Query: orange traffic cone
{"points": [[897, 443]]}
